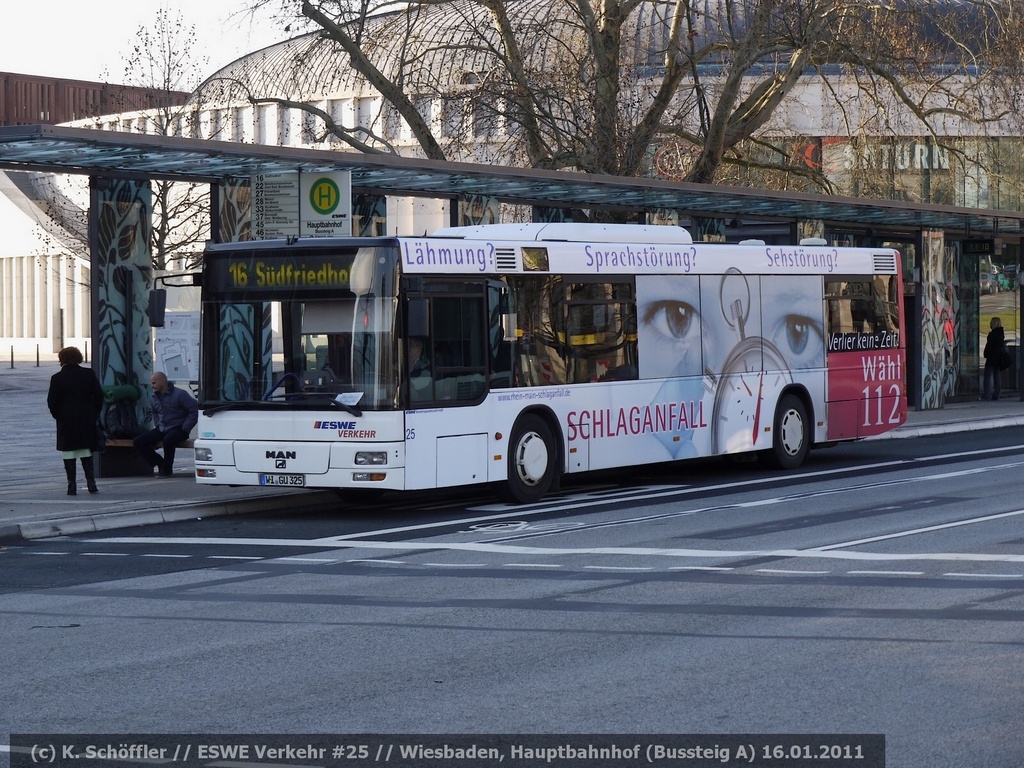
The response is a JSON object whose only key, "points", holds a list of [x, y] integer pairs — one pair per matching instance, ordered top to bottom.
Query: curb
{"points": [[949, 427], [43, 529]]}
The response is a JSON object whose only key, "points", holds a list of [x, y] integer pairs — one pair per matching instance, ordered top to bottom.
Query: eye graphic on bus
{"points": [[675, 320], [670, 326], [797, 330], [801, 337]]}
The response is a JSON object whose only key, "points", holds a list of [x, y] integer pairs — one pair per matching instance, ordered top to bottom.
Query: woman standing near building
{"points": [[995, 348], [75, 399]]}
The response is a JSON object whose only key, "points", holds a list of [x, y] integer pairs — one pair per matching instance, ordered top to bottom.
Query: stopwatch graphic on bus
{"points": [[741, 336]]}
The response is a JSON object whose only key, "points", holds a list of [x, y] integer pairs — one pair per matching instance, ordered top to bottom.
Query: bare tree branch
{"points": [[601, 85]]}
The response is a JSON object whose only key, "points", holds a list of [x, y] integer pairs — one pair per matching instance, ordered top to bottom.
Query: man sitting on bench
{"points": [[175, 412]]}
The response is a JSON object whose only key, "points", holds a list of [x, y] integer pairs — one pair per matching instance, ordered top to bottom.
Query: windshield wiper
{"points": [[281, 401]]}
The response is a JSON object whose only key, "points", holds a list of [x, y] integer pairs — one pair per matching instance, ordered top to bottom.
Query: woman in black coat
{"points": [[995, 346], [75, 399]]}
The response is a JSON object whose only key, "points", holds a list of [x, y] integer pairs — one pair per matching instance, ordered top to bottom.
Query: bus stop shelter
{"points": [[121, 165]]}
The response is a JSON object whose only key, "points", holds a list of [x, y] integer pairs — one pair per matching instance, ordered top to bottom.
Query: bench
{"points": [[120, 459]]}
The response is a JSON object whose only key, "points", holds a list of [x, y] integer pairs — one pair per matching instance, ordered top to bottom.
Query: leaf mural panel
{"points": [[235, 211], [106, 226], [126, 242], [121, 281], [237, 353], [933, 360]]}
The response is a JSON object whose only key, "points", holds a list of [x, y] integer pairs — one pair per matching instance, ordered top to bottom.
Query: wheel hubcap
{"points": [[792, 432], [531, 458]]}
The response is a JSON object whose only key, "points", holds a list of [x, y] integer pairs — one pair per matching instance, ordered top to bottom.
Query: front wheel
{"points": [[792, 434], [532, 460]]}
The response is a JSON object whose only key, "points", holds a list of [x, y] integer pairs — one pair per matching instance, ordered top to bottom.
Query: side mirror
{"points": [[157, 307]]}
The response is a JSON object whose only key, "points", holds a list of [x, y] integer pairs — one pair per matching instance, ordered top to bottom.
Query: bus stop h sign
{"points": [[325, 204]]}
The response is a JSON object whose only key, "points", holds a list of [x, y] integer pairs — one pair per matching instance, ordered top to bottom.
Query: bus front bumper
{"points": [[369, 466]]}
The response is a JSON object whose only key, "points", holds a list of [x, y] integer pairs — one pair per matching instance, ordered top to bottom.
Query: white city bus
{"points": [[546, 350]]}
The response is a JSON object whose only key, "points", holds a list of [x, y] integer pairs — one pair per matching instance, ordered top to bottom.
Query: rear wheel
{"points": [[792, 434], [532, 459]]}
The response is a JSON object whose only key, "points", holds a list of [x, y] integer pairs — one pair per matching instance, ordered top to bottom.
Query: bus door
{"points": [[501, 335], [447, 360]]}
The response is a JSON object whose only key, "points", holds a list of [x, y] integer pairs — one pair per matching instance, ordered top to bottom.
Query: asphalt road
{"points": [[876, 591]]}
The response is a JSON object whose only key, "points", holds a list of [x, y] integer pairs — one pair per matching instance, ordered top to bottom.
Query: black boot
{"points": [[69, 470], [90, 474]]}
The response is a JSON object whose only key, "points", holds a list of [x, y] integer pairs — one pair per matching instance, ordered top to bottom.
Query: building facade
{"points": [[969, 165], [44, 258]]}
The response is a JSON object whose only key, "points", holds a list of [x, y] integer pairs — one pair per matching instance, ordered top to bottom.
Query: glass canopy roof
{"points": [[59, 149]]}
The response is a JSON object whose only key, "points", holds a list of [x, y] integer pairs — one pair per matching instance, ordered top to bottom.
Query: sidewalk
{"points": [[33, 490], [34, 503]]}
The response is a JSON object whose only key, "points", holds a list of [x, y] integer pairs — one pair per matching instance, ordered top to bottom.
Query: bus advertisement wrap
{"points": [[514, 354]]}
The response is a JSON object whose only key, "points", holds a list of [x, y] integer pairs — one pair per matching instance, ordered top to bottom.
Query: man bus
{"points": [[546, 349]]}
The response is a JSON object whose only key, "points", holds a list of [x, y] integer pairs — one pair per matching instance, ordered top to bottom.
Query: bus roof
{"points": [[572, 233]]}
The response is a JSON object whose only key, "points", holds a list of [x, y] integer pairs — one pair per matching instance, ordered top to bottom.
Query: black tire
{"points": [[791, 436], [532, 460]]}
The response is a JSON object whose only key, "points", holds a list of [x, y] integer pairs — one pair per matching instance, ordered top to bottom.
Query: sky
{"points": [[82, 39]]}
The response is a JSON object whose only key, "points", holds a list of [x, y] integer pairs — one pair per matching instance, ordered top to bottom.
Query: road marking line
{"points": [[583, 501], [522, 510], [915, 531], [826, 553], [105, 554], [454, 565], [533, 565], [618, 568], [701, 568], [793, 572], [886, 573], [988, 575]]}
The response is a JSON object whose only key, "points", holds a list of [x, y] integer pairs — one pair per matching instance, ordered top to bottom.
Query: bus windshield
{"points": [[301, 330]]}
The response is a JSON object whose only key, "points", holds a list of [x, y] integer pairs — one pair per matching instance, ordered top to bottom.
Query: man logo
{"points": [[280, 458]]}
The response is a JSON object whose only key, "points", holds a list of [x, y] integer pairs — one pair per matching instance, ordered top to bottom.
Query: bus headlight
{"points": [[204, 454], [375, 458]]}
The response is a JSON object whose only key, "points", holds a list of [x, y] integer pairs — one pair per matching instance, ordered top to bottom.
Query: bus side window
{"points": [[861, 306], [540, 331], [601, 333], [456, 351]]}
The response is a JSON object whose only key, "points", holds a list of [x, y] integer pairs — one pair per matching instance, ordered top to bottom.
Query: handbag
{"points": [[1005, 360], [100, 443]]}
